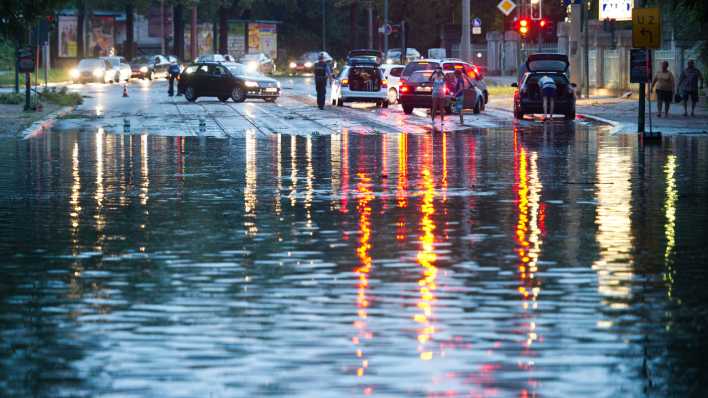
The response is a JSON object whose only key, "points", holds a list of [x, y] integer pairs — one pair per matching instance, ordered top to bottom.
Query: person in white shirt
{"points": [[548, 92]]}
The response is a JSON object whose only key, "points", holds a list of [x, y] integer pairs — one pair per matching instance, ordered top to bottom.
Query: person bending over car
{"points": [[548, 92]]}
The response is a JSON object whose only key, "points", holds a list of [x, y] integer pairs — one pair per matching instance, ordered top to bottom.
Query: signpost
{"points": [[506, 7], [476, 26], [646, 34], [25, 64]]}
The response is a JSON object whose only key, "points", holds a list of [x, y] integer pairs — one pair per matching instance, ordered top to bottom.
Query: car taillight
{"points": [[472, 74], [345, 82], [384, 83], [404, 89]]}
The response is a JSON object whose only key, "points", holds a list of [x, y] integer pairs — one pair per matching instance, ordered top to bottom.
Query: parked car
{"points": [[374, 56], [393, 56], [215, 58], [307, 60], [259, 62], [150, 66], [90, 70], [119, 70], [392, 74], [225, 80], [360, 81], [415, 91], [527, 96]]}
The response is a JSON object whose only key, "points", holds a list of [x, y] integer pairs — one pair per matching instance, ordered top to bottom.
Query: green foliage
{"points": [[16, 16], [61, 97], [11, 98]]}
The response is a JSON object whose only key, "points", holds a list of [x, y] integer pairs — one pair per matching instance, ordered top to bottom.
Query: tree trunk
{"points": [[353, 24], [178, 29], [80, 30], [223, 30], [129, 31]]}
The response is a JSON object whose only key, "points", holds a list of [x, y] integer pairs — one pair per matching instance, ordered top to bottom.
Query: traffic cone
{"points": [[125, 90]]}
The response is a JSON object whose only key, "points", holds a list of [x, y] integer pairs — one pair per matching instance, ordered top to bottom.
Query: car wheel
{"points": [[150, 75], [189, 94], [238, 95], [392, 96], [486, 97], [223, 98], [270, 99], [334, 102], [340, 102], [477, 106], [407, 109]]}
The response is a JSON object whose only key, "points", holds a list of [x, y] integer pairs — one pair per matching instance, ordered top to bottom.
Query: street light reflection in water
{"points": [[495, 263]]}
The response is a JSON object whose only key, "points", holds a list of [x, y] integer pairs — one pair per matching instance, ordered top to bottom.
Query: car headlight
{"points": [[389, 61], [308, 64], [293, 65], [252, 66], [143, 69], [97, 72], [74, 73], [251, 84], [277, 84]]}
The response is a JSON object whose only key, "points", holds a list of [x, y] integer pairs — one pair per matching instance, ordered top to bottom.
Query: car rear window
{"points": [[91, 63], [547, 65], [418, 66], [453, 66], [396, 72], [420, 76]]}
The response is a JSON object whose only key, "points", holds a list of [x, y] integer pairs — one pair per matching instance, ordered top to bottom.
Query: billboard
{"points": [[619, 10], [66, 27], [101, 36], [205, 38], [263, 38], [237, 39]]}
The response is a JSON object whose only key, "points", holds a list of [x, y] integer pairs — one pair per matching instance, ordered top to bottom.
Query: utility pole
{"points": [[385, 23], [162, 26], [324, 26], [371, 26], [193, 34], [465, 50], [642, 91]]}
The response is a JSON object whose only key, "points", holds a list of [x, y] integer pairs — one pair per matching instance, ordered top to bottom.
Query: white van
{"points": [[392, 74], [360, 81]]}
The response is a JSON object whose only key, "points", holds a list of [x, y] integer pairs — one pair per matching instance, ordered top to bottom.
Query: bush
{"points": [[61, 97], [11, 98]]}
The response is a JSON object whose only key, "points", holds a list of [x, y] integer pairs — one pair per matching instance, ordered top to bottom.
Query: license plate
{"points": [[424, 89], [271, 90]]}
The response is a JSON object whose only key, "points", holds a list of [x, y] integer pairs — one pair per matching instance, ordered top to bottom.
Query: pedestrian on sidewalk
{"points": [[173, 72], [322, 75], [461, 83], [664, 85], [688, 85], [548, 93], [438, 94]]}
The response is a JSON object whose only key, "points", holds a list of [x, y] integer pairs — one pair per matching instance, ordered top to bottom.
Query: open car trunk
{"points": [[364, 79], [534, 90]]}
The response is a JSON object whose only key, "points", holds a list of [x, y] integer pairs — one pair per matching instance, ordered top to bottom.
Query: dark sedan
{"points": [[307, 61], [150, 66], [225, 80], [527, 97]]}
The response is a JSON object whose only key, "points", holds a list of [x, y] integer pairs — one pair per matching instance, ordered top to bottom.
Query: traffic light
{"points": [[524, 26]]}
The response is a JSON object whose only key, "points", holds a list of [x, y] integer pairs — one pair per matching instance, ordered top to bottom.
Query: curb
{"points": [[611, 123], [40, 126]]}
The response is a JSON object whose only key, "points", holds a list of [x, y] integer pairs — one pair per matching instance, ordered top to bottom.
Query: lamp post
{"points": [[324, 26], [465, 50]]}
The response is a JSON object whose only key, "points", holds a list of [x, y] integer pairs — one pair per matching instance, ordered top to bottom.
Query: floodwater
{"points": [[492, 263]]}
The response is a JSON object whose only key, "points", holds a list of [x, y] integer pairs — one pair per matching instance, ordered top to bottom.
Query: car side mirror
{"points": [[514, 85]]}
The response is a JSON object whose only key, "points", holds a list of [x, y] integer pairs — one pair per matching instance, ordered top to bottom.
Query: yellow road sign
{"points": [[506, 7], [646, 28]]}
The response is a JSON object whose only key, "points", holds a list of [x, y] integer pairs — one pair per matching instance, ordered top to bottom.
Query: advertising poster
{"points": [[154, 21], [66, 26], [101, 36], [262, 37], [205, 38], [254, 38], [237, 39], [187, 40]]}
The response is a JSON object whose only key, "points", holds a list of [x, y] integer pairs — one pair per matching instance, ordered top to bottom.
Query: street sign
{"points": [[506, 7], [620, 10], [476, 26], [646, 28], [386, 29], [25, 60], [639, 65]]}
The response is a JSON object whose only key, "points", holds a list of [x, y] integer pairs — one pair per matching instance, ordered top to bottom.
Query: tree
{"points": [[18, 16]]}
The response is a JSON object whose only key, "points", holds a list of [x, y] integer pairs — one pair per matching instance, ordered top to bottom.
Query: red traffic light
{"points": [[543, 23], [523, 26]]}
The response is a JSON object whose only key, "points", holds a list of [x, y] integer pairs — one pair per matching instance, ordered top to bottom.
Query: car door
{"points": [[200, 80], [218, 81], [470, 100]]}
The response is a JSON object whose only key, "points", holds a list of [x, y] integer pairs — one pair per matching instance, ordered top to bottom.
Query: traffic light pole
{"points": [[385, 23], [465, 49], [642, 94]]}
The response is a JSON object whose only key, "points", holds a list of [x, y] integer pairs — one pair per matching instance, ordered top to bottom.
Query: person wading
{"points": [[173, 74], [322, 75], [461, 83], [663, 83], [688, 83], [548, 92], [438, 95]]}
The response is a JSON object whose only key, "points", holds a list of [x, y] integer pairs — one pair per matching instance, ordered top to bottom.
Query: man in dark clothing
{"points": [[173, 72], [322, 75], [688, 85]]}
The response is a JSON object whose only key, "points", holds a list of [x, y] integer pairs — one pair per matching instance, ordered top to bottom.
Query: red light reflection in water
{"points": [[402, 185], [364, 197]]}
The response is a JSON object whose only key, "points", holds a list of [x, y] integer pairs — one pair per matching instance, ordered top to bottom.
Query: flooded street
{"points": [[554, 261]]}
